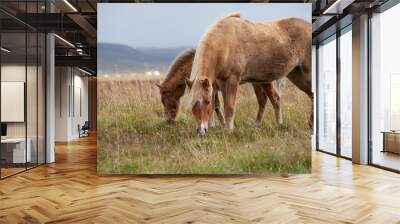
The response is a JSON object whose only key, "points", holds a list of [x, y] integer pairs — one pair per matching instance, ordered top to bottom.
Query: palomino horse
{"points": [[235, 51], [173, 88]]}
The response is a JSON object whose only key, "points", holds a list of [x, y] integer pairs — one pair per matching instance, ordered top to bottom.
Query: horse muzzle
{"points": [[170, 120], [201, 131]]}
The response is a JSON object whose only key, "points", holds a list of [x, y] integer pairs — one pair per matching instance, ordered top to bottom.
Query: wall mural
{"points": [[204, 88]]}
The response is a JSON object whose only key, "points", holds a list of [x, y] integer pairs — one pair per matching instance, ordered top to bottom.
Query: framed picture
{"points": [[204, 88]]}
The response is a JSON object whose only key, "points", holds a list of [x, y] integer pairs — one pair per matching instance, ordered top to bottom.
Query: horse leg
{"points": [[301, 77], [275, 98], [262, 100], [230, 101], [217, 108], [211, 120]]}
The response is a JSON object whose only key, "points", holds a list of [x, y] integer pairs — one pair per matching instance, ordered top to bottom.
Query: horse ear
{"points": [[189, 83], [206, 84]]}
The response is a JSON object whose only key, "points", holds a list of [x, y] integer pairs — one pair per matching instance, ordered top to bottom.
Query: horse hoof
{"points": [[229, 130], [201, 131]]}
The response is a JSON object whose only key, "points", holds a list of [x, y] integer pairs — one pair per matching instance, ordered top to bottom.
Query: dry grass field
{"points": [[134, 138]]}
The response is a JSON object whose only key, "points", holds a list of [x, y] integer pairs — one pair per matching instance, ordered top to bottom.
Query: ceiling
{"points": [[332, 15]]}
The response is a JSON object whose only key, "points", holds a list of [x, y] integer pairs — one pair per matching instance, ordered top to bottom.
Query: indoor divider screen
{"points": [[22, 87]]}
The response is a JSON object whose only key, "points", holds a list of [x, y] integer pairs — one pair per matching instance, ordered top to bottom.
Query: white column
{"points": [[360, 90], [50, 91], [50, 99]]}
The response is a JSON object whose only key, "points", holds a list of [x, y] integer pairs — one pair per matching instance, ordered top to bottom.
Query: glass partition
{"points": [[33, 63], [22, 78], [385, 89], [346, 92], [327, 95], [13, 109]]}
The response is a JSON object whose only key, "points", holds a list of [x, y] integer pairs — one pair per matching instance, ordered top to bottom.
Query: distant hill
{"points": [[125, 59]]}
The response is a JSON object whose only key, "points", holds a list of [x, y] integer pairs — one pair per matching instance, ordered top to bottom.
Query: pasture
{"points": [[134, 138]]}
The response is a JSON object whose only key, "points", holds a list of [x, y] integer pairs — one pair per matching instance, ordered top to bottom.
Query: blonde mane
{"points": [[233, 14], [201, 44], [195, 94]]}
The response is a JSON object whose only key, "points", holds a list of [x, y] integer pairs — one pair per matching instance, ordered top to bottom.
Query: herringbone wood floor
{"points": [[69, 191]]}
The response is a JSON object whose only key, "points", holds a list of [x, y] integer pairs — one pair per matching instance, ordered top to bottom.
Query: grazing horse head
{"points": [[173, 87], [201, 90], [170, 99]]}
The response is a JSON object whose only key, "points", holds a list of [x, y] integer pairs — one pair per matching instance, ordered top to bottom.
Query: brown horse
{"points": [[235, 51], [173, 88]]}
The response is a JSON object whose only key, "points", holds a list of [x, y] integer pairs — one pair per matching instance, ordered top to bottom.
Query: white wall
{"points": [[12, 73], [62, 82], [70, 83], [79, 117], [33, 126]]}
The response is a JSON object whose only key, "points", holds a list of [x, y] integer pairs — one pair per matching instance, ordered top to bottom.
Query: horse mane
{"points": [[233, 14], [203, 39], [200, 55], [179, 60]]}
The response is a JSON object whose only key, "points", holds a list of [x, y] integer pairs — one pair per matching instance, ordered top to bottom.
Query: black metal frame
{"points": [[337, 34], [44, 77], [26, 90], [369, 90], [316, 97], [338, 98]]}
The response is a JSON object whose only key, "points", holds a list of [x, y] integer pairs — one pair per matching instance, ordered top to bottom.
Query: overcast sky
{"points": [[181, 24]]}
